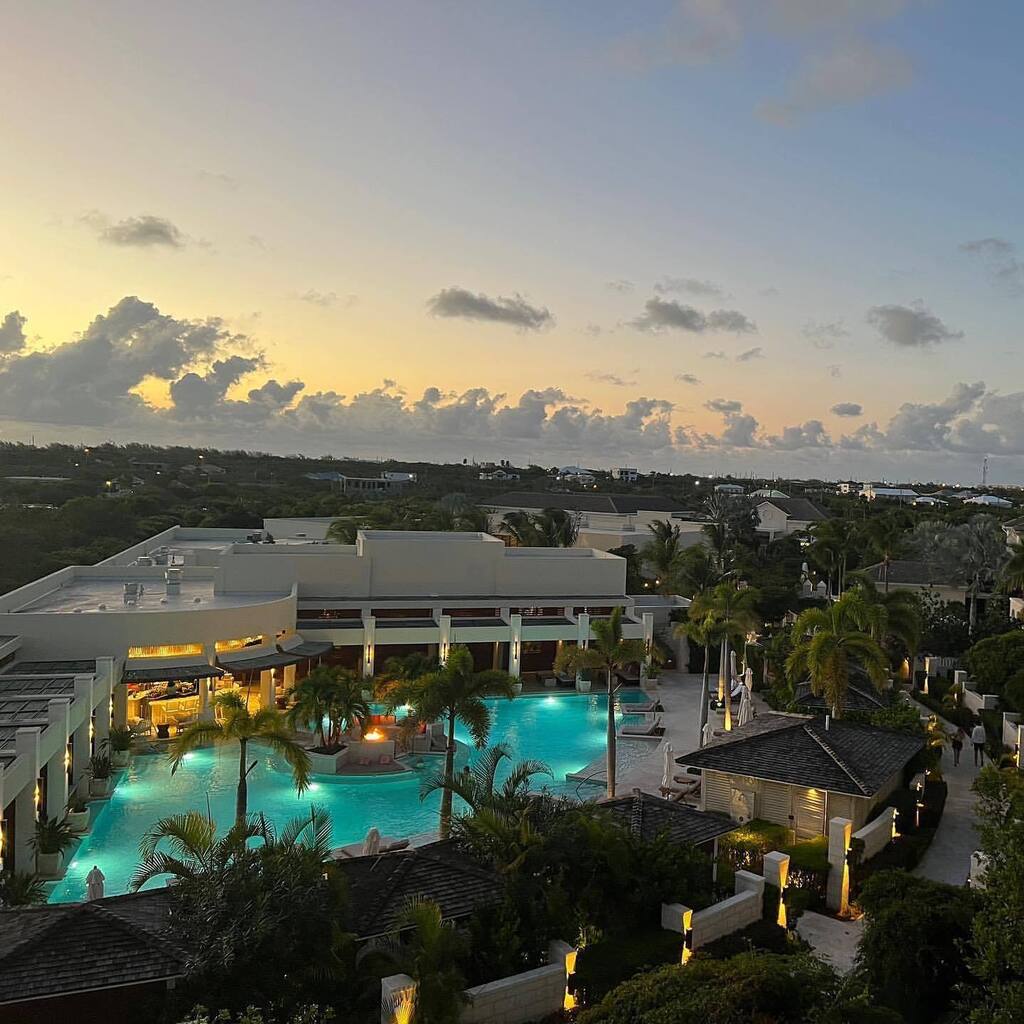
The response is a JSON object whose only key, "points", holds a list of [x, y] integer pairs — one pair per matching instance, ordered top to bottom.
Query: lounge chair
{"points": [[645, 708], [653, 729], [685, 786], [401, 844]]}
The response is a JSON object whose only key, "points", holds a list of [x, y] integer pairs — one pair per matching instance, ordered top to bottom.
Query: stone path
{"points": [[948, 859], [834, 941]]}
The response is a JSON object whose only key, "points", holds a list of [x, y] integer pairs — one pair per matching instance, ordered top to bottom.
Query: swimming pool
{"points": [[567, 731]]}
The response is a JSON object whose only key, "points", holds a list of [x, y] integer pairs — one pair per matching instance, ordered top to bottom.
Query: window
{"points": [[239, 643], [165, 650]]}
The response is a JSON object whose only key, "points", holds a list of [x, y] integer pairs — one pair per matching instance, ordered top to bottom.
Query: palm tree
{"points": [[458, 512], [521, 528], [557, 528], [343, 531], [885, 537], [831, 544], [661, 553], [697, 571], [1013, 572], [734, 612], [892, 616], [702, 629], [828, 642], [608, 653], [408, 666], [453, 693], [329, 694], [265, 726], [499, 822], [195, 850], [21, 889], [429, 954]]}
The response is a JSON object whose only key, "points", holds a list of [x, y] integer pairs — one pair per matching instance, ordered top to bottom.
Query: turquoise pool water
{"points": [[566, 731]]}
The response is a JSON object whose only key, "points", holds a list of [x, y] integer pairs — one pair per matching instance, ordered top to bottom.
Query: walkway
{"points": [[948, 859], [832, 939]]}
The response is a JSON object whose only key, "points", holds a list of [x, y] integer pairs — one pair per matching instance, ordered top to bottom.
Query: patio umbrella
{"points": [[746, 708], [707, 735], [670, 767], [371, 844], [94, 884]]}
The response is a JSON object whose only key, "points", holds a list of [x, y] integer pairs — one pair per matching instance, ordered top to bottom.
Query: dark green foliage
{"points": [[994, 661], [762, 936], [911, 953], [603, 965], [764, 987]]}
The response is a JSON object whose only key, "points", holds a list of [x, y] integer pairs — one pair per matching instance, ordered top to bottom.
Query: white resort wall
{"points": [[877, 834]]}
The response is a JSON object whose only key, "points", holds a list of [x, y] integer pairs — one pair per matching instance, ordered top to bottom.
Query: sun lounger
{"points": [[644, 708], [654, 729], [401, 844]]}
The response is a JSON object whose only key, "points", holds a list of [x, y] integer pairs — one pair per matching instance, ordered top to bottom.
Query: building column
{"points": [[648, 620], [444, 623], [582, 637], [369, 643], [515, 650], [288, 683], [267, 688], [205, 711], [58, 713], [80, 737], [26, 745], [837, 896]]}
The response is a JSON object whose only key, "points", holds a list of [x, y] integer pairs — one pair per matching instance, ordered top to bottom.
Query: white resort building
{"points": [[146, 636]]}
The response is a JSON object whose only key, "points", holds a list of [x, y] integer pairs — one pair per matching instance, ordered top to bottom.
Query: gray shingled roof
{"points": [[614, 504], [801, 509], [910, 572], [52, 668], [858, 698], [801, 751], [648, 817], [380, 887], [64, 948]]}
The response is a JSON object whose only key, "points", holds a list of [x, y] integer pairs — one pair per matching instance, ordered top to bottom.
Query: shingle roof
{"points": [[615, 504], [801, 509], [910, 572], [52, 668], [171, 673], [858, 698], [800, 751], [648, 816], [380, 887], [64, 948]]}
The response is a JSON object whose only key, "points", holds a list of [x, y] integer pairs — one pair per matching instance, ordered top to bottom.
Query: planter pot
{"points": [[583, 686], [517, 688], [367, 695], [119, 758], [328, 764], [99, 788], [79, 820], [48, 864]]}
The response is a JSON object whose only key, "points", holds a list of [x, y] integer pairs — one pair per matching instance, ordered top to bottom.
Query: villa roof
{"points": [[614, 504], [801, 509], [910, 572], [309, 648], [273, 659], [52, 668], [177, 673], [858, 698], [839, 756], [648, 816], [380, 887], [59, 949]]}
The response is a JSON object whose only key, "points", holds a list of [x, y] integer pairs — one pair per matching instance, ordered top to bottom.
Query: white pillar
{"points": [[648, 620], [582, 637], [369, 644], [444, 644], [515, 650], [289, 678], [267, 688], [102, 703], [205, 711], [58, 712], [26, 746], [81, 746], [840, 831], [397, 999]]}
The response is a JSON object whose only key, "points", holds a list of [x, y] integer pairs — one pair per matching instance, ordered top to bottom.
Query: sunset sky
{"points": [[779, 236]]}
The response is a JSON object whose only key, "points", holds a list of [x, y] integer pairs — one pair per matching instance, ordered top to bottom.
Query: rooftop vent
{"points": [[144, 560], [173, 579], [133, 590]]}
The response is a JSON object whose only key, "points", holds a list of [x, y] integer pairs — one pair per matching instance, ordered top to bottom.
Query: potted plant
{"points": [[583, 681], [517, 687], [120, 744], [100, 768], [77, 815], [52, 837]]}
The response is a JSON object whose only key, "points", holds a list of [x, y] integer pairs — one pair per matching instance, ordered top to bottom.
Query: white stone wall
{"points": [[877, 835], [731, 915], [530, 996]]}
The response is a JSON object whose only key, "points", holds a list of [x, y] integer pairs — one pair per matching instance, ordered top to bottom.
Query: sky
{"points": [[779, 237]]}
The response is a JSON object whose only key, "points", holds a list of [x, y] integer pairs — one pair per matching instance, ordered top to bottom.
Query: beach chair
{"points": [[653, 729]]}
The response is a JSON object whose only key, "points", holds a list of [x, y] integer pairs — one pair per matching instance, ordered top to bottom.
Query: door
{"points": [[808, 812]]}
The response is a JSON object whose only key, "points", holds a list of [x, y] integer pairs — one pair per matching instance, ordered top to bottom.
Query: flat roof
{"points": [[86, 594], [82, 666], [53, 686]]}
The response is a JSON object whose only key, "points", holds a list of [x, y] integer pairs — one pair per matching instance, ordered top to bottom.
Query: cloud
{"points": [[695, 32], [854, 70], [224, 181], [145, 232], [1000, 261], [621, 285], [689, 286], [314, 297], [516, 311], [667, 314], [910, 327], [594, 330], [12, 333], [824, 334], [750, 354], [715, 355], [834, 370], [611, 378], [687, 378], [847, 409]]}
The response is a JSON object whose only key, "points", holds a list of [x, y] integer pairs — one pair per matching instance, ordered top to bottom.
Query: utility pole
{"points": [[984, 473]]}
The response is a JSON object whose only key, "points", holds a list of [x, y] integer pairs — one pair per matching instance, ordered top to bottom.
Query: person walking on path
{"points": [[978, 739], [958, 744]]}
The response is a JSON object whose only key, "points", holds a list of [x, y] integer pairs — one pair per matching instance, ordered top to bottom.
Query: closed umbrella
{"points": [[746, 707], [707, 735], [670, 767], [371, 844], [94, 884]]}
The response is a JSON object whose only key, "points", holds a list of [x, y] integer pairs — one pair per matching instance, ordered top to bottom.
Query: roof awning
{"points": [[307, 648], [273, 659], [172, 673]]}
